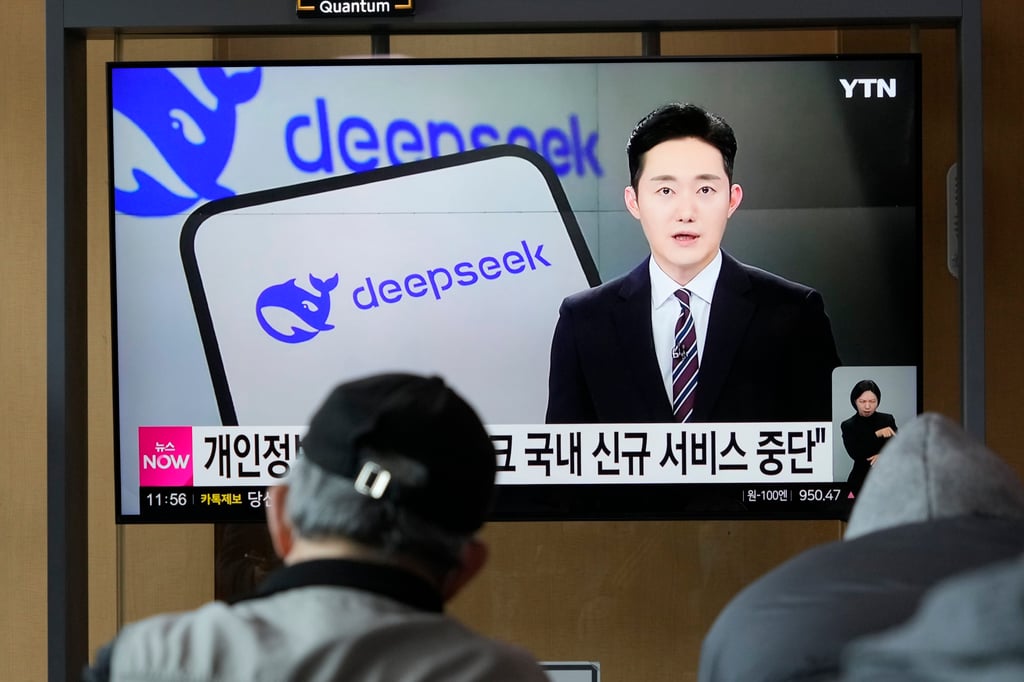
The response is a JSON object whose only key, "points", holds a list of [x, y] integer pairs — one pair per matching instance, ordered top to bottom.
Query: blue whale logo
{"points": [[194, 139], [313, 310]]}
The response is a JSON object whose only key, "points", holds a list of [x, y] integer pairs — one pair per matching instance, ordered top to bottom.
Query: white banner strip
{"points": [[663, 453], [560, 454]]}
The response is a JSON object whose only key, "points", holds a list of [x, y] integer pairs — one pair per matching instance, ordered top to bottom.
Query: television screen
{"points": [[280, 227]]}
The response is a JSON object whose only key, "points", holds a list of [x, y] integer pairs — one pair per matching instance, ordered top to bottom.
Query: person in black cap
{"points": [[376, 527]]}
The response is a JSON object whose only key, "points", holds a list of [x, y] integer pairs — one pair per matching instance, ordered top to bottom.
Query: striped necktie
{"points": [[684, 360]]}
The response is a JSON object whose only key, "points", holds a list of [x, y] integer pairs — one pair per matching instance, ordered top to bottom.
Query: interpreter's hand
{"points": [[885, 432], [871, 459]]}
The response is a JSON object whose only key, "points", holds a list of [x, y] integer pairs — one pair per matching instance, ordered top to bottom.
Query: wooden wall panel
{"points": [[877, 40], [753, 42], [533, 45], [292, 47], [145, 48], [1003, 63], [22, 342], [941, 371], [104, 551], [635, 596]]}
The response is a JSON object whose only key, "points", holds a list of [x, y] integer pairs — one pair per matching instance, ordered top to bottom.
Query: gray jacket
{"points": [[315, 621], [793, 622], [969, 629]]}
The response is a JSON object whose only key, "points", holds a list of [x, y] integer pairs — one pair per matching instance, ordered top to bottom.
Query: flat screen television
{"points": [[279, 227]]}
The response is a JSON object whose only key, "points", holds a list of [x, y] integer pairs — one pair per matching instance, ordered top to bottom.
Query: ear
{"points": [[735, 197], [632, 204], [277, 522], [474, 557]]}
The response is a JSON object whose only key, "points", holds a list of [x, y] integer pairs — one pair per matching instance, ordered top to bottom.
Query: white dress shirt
{"points": [[665, 311]]}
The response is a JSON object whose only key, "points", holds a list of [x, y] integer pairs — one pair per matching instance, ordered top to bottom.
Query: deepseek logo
{"points": [[193, 139], [362, 145], [374, 292], [311, 309]]}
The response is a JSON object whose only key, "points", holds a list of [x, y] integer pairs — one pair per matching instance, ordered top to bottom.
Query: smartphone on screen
{"points": [[453, 266]]}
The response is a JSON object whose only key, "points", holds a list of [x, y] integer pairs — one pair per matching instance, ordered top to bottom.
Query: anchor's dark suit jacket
{"points": [[768, 355]]}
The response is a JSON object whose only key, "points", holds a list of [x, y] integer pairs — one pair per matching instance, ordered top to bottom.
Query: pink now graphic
{"points": [[165, 456]]}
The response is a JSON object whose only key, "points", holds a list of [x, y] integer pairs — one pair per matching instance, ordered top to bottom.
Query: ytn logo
{"points": [[870, 87], [288, 303]]}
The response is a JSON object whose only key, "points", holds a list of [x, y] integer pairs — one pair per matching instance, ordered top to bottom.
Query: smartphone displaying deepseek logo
{"points": [[455, 265]]}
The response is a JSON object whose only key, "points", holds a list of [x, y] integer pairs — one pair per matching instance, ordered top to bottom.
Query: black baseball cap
{"points": [[410, 440]]}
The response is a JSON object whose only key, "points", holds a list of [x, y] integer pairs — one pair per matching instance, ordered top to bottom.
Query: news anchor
{"points": [[749, 345]]}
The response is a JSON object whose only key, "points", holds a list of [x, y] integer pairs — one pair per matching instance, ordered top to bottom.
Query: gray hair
{"points": [[322, 505]]}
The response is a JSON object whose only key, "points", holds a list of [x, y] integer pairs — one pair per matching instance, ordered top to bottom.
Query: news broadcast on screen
{"points": [[280, 227]]}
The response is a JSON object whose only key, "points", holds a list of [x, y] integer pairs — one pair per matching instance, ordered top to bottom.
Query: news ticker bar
{"points": [[527, 454], [229, 504], [203, 505]]}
